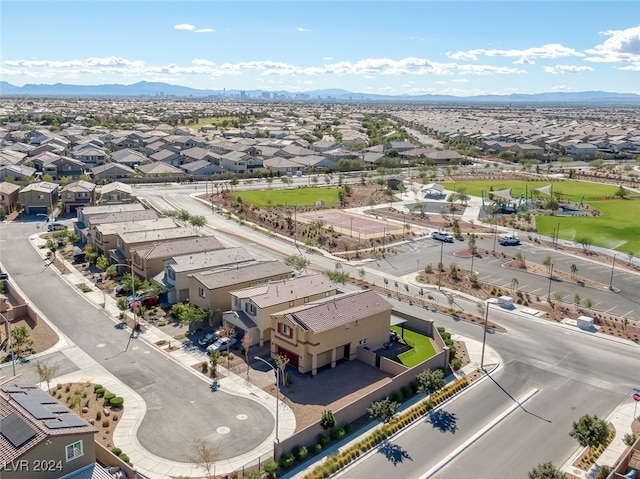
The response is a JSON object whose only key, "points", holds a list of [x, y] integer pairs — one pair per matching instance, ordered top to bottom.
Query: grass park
{"points": [[296, 196], [614, 228], [421, 344]]}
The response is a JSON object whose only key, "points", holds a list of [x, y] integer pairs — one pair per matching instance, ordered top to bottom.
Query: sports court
{"points": [[356, 226]]}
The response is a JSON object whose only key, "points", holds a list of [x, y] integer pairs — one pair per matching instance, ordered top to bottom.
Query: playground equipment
{"points": [[502, 202]]}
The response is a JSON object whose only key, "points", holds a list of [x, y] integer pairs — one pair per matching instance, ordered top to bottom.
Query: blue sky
{"points": [[414, 47]]}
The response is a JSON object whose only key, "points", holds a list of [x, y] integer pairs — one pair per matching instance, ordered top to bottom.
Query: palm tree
{"points": [[514, 285]]}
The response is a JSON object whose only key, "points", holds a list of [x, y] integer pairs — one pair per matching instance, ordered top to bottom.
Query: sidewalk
{"points": [[621, 419], [125, 434]]}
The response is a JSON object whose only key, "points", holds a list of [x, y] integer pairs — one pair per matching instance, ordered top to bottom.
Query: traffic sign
{"points": [[636, 397]]}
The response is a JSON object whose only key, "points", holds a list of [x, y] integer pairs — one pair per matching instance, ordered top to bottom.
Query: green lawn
{"points": [[570, 190], [294, 196], [618, 226], [422, 347]]}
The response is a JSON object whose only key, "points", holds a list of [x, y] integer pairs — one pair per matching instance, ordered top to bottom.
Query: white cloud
{"points": [[185, 26], [300, 29], [205, 30], [622, 46], [551, 50], [327, 59], [567, 69], [487, 70], [460, 80], [561, 88]]}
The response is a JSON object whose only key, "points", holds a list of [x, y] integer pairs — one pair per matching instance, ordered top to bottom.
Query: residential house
{"points": [[184, 142], [327, 143], [399, 146], [581, 150], [290, 151], [527, 151], [198, 153], [90, 155], [444, 156], [12, 157], [128, 157], [168, 157], [235, 161], [57, 166], [282, 166], [201, 168], [158, 169], [111, 171], [17, 172], [115, 193], [78, 194], [8, 198], [38, 198], [87, 222], [105, 235], [128, 241], [148, 260], [177, 269], [211, 289], [252, 307], [325, 331], [41, 438]]}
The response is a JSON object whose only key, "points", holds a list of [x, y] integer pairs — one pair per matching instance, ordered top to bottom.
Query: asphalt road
{"points": [[180, 405], [529, 435]]}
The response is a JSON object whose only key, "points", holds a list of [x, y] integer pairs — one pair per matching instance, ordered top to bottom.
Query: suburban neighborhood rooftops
{"points": [[131, 226], [167, 249], [208, 259], [228, 276], [285, 290]]}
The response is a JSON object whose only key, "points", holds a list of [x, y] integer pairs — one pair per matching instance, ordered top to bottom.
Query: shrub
{"points": [[456, 364], [95, 387], [406, 391], [99, 392], [396, 396], [108, 397], [116, 401], [99, 416], [327, 421], [105, 423], [348, 428], [323, 439], [629, 439], [316, 448], [116, 450], [301, 453], [125, 458], [287, 460], [270, 467]]}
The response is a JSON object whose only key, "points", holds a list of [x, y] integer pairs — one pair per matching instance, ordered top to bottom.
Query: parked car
{"points": [[56, 227], [441, 236], [509, 241], [79, 257], [119, 290], [146, 302], [208, 338], [222, 344]]}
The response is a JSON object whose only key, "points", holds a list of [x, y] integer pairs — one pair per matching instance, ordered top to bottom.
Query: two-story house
{"points": [[90, 155], [111, 171], [115, 193], [78, 194], [8, 198], [39, 198], [90, 217], [106, 235], [127, 242], [148, 260], [178, 268], [211, 289], [254, 305], [325, 331]]}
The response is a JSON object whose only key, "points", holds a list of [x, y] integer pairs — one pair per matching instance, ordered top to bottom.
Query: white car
{"points": [[441, 236], [509, 241], [222, 344]]}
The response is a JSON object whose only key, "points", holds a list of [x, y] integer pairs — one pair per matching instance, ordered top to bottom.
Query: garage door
{"points": [[34, 210], [293, 357]]}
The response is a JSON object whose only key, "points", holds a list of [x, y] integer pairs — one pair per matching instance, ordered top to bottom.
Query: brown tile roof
{"points": [[167, 249], [257, 271], [290, 289], [324, 315]]}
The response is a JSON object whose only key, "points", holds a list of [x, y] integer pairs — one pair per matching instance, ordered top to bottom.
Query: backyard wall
{"points": [[107, 459]]}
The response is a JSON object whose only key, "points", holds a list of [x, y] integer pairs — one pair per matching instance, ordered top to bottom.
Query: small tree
{"points": [[102, 262], [297, 262], [21, 339], [246, 343], [214, 357], [281, 364], [47, 372], [429, 381], [75, 399], [383, 410], [328, 420], [590, 431], [204, 456], [546, 471], [603, 472]]}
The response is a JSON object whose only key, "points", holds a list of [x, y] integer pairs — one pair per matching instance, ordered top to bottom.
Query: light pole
{"points": [[440, 265], [612, 270], [550, 277], [484, 333], [13, 357], [277, 389]]}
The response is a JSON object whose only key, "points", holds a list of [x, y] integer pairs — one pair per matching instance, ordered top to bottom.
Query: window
{"points": [[41, 197], [171, 273], [201, 293], [306, 299], [237, 302], [291, 303], [250, 308], [357, 322], [285, 330], [362, 342], [74, 451]]}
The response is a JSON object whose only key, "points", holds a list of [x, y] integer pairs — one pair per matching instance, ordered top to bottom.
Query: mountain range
{"points": [[145, 89]]}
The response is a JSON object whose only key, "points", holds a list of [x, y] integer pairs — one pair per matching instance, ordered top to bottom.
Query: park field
{"points": [[569, 190], [292, 197], [618, 226]]}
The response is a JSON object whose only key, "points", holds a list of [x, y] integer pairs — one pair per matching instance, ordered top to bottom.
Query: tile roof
{"points": [[166, 249], [209, 259], [256, 271], [290, 289], [326, 314]]}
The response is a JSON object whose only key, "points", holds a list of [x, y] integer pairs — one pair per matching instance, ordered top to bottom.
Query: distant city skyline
{"points": [[414, 47]]}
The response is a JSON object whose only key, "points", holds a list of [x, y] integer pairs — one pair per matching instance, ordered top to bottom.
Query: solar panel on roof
{"points": [[26, 386], [11, 389], [41, 396], [32, 406], [59, 409], [65, 421], [56, 424], [16, 430]]}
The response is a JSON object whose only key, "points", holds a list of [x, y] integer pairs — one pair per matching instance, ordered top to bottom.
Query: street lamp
{"points": [[612, 269], [550, 277], [484, 334], [13, 357], [277, 389]]}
